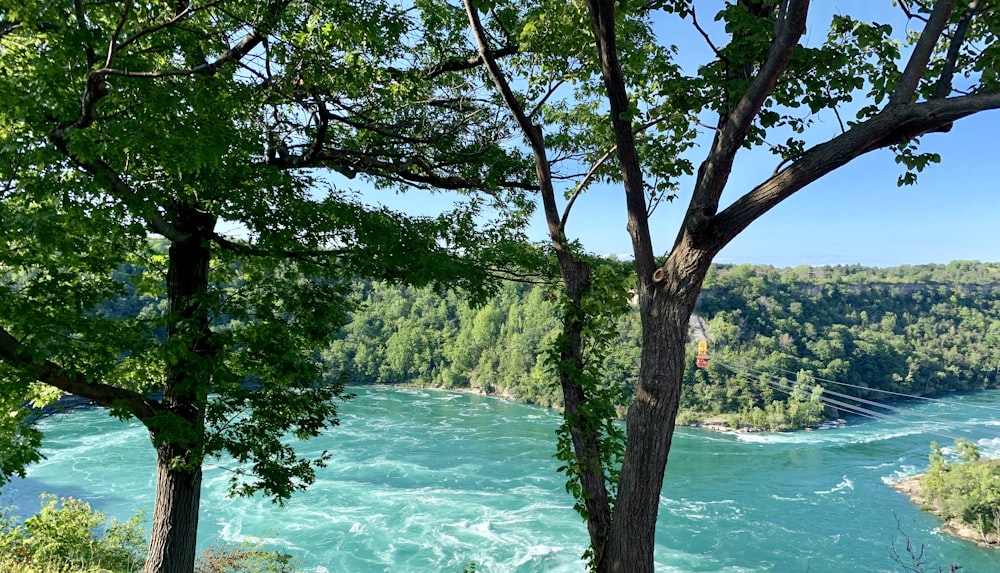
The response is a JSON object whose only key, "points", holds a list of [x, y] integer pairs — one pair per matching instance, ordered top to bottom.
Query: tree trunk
{"points": [[666, 309], [178, 432], [585, 436], [174, 535]]}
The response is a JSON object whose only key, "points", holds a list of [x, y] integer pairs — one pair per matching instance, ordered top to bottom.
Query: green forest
{"points": [[920, 330]]}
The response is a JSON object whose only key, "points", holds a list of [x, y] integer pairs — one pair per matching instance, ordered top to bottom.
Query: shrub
{"points": [[67, 535], [247, 558]]}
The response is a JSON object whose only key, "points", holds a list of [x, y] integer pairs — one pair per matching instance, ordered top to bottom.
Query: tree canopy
{"points": [[230, 131]]}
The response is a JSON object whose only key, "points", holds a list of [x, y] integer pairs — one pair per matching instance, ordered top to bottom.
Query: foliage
{"points": [[232, 130], [603, 303], [917, 330], [920, 330], [967, 489], [66, 534], [245, 558]]}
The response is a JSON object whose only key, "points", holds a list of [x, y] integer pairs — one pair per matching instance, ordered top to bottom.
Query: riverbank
{"points": [[913, 488]]}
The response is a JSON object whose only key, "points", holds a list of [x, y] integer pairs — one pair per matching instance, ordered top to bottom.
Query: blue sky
{"points": [[854, 215]]}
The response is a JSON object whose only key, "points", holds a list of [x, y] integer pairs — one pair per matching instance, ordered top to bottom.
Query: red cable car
{"points": [[701, 360]]}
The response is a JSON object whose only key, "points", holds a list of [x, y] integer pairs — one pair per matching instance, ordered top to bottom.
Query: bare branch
{"points": [[118, 30], [704, 34], [917, 64], [553, 86], [836, 112], [597, 165], [586, 179], [14, 353]]}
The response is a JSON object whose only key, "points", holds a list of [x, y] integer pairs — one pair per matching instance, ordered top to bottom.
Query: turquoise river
{"points": [[426, 481]]}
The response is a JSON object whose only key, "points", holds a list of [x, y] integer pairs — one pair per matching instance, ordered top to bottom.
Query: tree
{"points": [[761, 84], [753, 88], [207, 126]]}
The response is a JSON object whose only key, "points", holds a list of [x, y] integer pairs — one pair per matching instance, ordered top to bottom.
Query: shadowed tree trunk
{"points": [[178, 431]]}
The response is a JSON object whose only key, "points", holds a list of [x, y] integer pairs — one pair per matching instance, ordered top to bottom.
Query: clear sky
{"points": [[854, 215]]}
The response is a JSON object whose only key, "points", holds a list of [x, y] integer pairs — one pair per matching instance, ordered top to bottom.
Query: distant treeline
{"points": [[922, 329]]}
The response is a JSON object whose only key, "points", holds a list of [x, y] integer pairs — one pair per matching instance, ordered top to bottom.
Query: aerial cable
{"points": [[782, 384], [835, 393], [912, 396], [870, 414]]}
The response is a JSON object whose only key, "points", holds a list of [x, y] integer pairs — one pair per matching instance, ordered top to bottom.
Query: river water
{"points": [[429, 480]]}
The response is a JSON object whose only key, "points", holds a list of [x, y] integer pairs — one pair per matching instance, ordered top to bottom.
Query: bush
{"points": [[67, 535]]}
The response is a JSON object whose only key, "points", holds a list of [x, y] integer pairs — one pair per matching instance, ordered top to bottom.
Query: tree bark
{"points": [[665, 313], [179, 438], [174, 535]]}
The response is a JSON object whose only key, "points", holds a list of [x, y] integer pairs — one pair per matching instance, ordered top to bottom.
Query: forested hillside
{"points": [[922, 330]]}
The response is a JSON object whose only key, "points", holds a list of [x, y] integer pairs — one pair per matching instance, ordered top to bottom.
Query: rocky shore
{"points": [[913, 488]]}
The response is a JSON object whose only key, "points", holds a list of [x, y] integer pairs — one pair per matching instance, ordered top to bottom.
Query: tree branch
{"points": [[176, 18], [81, 24], [603, 26], [704, 34], [114, 36], [234, 54], [468, 63], [917, 64], [944, 84], [891, 126], [532, 133], [350, 163], [714, 171], [586, 179], [118, 187], [309, 257], [14, 353]]}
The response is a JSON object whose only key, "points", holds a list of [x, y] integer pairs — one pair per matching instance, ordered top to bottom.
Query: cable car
{"points": [[701, 360]]}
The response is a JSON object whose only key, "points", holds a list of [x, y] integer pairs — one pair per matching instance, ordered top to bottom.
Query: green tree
{"points": [[761, 75], [761, 84], [209, 125]]}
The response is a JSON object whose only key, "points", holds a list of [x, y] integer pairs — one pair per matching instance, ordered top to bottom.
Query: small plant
{"points": [[246, 558]]}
